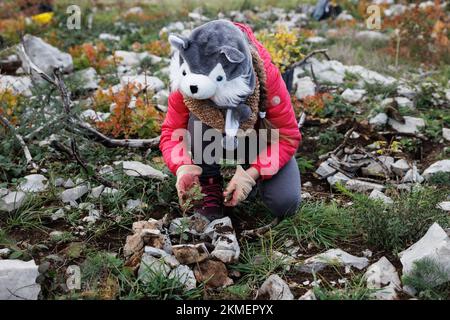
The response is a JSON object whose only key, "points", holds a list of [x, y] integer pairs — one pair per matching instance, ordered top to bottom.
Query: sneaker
{"points": [[211, 206]]}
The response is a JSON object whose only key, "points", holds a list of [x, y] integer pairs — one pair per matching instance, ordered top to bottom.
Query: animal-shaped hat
{"points": [[215, 64]]}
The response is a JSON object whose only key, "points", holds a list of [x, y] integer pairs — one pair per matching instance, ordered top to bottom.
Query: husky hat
{"points": [[214, 68]]}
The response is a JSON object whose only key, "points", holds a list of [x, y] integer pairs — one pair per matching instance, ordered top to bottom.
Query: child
{"points": [[223, 78]]}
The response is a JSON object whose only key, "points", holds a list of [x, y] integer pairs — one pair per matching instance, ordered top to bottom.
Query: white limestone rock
{"points": [[304, 87], [353, 95], [379, 120], [411, 125], [437, 167], [139, 169], [34, 183], [363, 186], [73, 194], [376, 194], [13, 200], [434, 245], [332, 257], [185, 276], [383, 277], [18, 280], [276, 289]]}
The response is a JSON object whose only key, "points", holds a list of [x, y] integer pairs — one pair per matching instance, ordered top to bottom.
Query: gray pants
{"points": [[281, 194]]}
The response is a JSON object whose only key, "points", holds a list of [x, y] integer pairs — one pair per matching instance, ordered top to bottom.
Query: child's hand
{"points": [[187, 177], [240, 186]]}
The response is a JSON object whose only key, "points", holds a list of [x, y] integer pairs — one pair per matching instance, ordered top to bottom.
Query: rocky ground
{"points": [[89, 210]]}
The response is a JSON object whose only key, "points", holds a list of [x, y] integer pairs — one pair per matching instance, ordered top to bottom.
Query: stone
{"points": [[371, 36], [108, 37], [316, 40], [44, 56], [129, 58], [331, 76], [87, 78], [143, 81], [18, 85], [304, 87], [406, 91], [353, 96], [404, 102], [95, 116], [379, 120], [411, 125], [446, 134], [400, 167], [437, 167], [375, 168], [138, 169], [325, 170], [413, 176], [338, 178], [34, 183], [69, 184], [363, 186], [97, 191], [73, 194], [378, 195], [12, 201], [134, 204], [444, 205], [58, 214], [93, 216], [151, 224], [194, 224], [219, 225], [56, 235], [133, 244], [434, 245], [226, 248], [4, 253], [159, 253], [190, 253], [332, 257], [150, 267], [213, 273], [185, 276], [383, 277], [18, 280], [73, 281], [275, 288], [309, 295]]}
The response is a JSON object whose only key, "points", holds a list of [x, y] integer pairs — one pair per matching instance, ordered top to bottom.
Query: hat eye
{"points": [[184, 72], [219, 78]]}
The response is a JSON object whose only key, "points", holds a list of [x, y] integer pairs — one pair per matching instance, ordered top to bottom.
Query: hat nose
{"points": [[194, 89]]}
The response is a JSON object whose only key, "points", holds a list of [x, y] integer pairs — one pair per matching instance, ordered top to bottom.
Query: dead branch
{"points": [[309, 55], [75, 121], [19, 138], [112, 143], [342, 145], [377, 160], [85, 166], [258, 232]]}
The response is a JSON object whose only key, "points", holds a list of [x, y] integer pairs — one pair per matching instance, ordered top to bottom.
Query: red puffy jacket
{"points": [[279, 112]]}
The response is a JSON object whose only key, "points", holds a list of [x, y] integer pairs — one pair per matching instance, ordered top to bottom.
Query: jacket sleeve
{"points": [[281, 115], [173, 133]]}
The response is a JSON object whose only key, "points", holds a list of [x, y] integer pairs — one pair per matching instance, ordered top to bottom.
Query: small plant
{"points": [[284, 46], [89, 55], [144, 121], [328, 140], [305, 165], [440, 179], [190, 198], [318, 223], [397, 226], [257, 262], [430, 279], [354, 289]]}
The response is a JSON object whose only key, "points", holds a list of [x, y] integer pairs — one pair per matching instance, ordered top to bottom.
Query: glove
{"points": [[187, 177], [239, 187]]}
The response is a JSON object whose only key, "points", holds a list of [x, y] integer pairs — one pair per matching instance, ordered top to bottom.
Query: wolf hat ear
{"points": [[178, 42], [233, 55]]}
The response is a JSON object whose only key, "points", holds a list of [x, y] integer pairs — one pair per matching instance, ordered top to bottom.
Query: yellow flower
{"points": [[43, 18]]}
